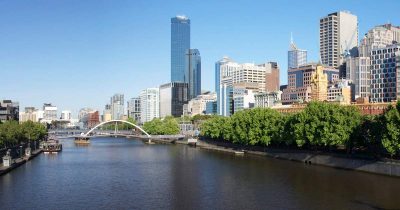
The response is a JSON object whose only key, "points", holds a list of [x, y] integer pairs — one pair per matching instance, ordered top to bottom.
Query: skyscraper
{"points": [[338, 37], [180, 42], [296, 57], [193, 72]]}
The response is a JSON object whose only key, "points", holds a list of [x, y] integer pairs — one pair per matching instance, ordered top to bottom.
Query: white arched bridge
{"points": [[116, 121], [94, 132]]}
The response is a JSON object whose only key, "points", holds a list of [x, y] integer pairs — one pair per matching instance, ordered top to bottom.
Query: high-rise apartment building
{"points": [[338, 37], [180, 43], [296, 56], [193, 72], [385, 74], [172, 98], [117, 103], [149, 104], [134, 108]]}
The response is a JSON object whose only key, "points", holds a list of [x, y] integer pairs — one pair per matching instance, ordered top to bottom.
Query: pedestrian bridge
{"points": [[114, 121], [94, 132]]}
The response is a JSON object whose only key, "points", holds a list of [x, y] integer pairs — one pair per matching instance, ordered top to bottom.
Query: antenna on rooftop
{"points": [[292, 45]]}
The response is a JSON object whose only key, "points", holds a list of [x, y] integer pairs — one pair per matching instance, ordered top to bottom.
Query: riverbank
{"points": [[18, 162], [388, 168]]}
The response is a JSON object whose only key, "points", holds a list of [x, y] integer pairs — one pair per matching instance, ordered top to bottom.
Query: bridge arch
{"points": [[123, 121]]}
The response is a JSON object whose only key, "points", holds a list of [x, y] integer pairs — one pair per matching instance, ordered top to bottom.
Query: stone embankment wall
{"points": [[383, 167]]}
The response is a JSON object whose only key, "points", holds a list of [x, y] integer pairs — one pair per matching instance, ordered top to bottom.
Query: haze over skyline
{"points": [[78, 54]]}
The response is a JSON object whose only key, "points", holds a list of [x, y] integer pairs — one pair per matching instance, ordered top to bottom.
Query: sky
{"points": [[78, 53]]}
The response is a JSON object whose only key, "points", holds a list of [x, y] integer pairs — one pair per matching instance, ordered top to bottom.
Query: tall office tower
{"points": [[338, 37], [180, 42], [296, 56], [193, 72], [385, 74], [172, 98], [117, 103], [149, 104], [134, 108]]}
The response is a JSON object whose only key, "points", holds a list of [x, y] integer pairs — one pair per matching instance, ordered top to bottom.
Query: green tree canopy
{"points": [[166, 126]]}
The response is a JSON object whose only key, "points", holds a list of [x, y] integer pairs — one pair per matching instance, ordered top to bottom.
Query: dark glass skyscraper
{"points": [[180, 42], [193, 72]]}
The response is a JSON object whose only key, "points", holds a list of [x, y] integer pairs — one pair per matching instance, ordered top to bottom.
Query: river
{"points": [[118, 173]]}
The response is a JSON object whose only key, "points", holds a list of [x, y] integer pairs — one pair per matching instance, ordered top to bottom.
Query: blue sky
{"points": [[78, 53]]}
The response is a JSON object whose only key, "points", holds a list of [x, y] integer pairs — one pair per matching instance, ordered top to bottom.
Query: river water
{"points": [[118, 173]]}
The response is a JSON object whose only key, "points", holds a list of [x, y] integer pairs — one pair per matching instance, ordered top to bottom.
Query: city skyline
{"points": [[74, 55]]}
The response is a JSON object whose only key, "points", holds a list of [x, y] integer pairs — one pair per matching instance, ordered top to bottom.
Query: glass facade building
{"points": [[180, 43], [296, 58], [193, 73], [385, 74]]}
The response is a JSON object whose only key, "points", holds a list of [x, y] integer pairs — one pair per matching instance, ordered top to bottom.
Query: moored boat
{"points": [[52, 146]]}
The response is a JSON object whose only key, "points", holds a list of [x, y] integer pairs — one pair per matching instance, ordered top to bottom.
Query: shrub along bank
{"points": [[322, 126]]}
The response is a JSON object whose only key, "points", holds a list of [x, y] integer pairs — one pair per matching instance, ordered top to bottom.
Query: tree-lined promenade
{"points": [[319, 126], [12, 133]]}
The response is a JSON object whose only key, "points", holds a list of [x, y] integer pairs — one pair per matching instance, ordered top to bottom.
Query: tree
{"points": [[323, 124], [167, 126], [217, 127], [391, 130]]}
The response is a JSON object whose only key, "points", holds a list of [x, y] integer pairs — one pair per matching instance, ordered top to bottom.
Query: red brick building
{"points": [[93, 119]]}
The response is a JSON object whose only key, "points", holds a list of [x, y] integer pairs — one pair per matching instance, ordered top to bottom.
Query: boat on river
{"points": [[82, 140], [51, 146]]}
